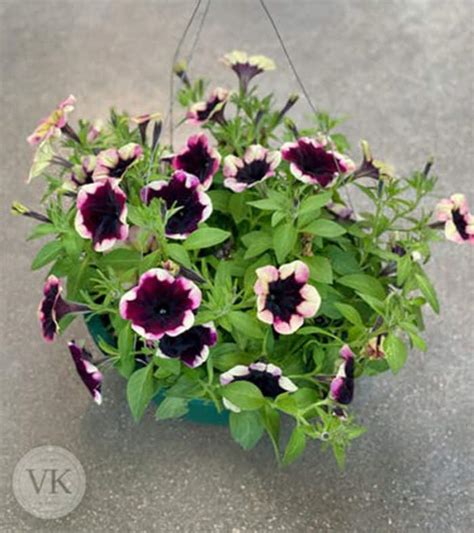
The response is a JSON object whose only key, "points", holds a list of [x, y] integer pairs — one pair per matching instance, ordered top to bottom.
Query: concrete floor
{"points": [[403, 71]]}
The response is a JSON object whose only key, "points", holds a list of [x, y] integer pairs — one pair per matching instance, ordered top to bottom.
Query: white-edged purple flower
{"points": [[247, 67], [200, 112], [51, 126], [198, 158], [113, 162], [311, 162], [257, 164], [82, 173], [183, 191], [102, 213], [459, 225], [284, 298], [160, 304], [53, 307], [191, 346], [91, 376], [268, 378], [342, 386]]}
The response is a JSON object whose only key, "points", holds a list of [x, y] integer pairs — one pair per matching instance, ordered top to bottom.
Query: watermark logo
{"points": [[49, 482]]}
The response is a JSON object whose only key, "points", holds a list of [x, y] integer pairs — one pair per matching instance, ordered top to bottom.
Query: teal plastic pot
{"points": [[200, 411]]}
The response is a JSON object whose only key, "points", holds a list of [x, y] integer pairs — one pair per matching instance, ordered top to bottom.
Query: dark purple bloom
{"points": [[247, 67], [212, 108], [198, 159], [113, 163], [312, 163], [257, 164], [371, 168], [183, 191], [454, 211], [102, 213], [284, 298], [160, 304], [53, 307], [191, 347], [91, 376], [268, 378], [342, 386]]}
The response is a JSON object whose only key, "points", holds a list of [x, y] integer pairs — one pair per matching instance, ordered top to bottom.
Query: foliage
{"points": [[367, 268]]}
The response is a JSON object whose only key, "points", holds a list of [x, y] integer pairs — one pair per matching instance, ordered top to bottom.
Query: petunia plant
{"points": [[234, 270]]}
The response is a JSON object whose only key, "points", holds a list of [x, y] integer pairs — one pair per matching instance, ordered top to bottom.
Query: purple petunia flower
{"points": [[247, 67], [200, 112], [51, 126], [199, 159], [113, 163], [312, 163], [258, 164], [82, 174], [183, 191], [102, 213], [459, 225], [284, 299], [160, 304], [53, 307], [191, 347], [91, 376], [268, 378], [342, 386]]}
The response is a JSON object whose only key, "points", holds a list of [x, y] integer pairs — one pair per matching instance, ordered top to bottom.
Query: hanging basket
{"points": [[239, 282]]}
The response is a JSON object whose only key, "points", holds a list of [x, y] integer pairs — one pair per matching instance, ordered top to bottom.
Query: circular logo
{"points": [[49, 482]]}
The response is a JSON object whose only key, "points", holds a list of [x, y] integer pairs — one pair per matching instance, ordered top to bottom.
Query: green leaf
{"points": [[220, 200], [313, 203], [266, 205], [237, 207], [277, 217], [324, 228], [41, 230], [205, 238], [284, 240], [256, 242], [47, 254], [179, 254], [120, 259], [343, 262], [404, 266], [320, 269], [365, 284], [428, 291], [377, 305], [350, 313], [246, 324], [126, 338], [396, 352], [140, 391], [243, 394], [171, 407], [271, 421], [246, 428], [295, 446], [339, 454]]}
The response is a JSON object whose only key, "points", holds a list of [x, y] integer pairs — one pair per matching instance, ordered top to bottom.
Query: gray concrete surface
{"points": [[403, 71]]}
